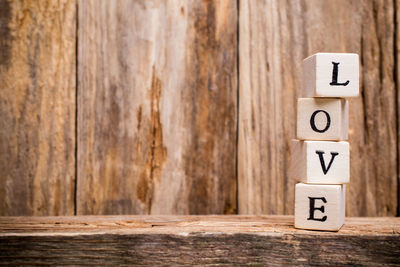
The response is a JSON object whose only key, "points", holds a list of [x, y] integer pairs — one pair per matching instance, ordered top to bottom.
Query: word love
{"points": [[320, 155]]}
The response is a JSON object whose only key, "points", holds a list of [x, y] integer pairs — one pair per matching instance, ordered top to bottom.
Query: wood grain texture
{"points": [[275, 36], [397, 73], [37, 107], [157, 107], [188, 240]]}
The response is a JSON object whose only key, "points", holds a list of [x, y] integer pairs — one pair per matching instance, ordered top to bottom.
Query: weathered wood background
{"points": [[184, 107]]}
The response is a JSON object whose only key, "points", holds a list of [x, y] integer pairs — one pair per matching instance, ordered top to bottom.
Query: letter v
{"points": [[321, 159]]}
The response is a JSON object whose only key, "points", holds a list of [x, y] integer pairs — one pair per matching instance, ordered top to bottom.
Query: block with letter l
{"points": [[331, 75], [322, 119], [320, 162], [319, 207]]}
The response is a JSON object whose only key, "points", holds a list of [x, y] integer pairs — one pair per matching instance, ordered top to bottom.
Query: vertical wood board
{"points": [[397, 73], [37, 107], [156, 107]]}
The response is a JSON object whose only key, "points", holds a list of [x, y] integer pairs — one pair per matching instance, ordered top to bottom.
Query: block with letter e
{"points": [[331, 75], [322, 119], [320, 162], [319, 207]]}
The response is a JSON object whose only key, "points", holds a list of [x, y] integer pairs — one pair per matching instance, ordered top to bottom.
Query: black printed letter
{"points": [[335, 74], [312, 121], [321, 159], [313, 209]]}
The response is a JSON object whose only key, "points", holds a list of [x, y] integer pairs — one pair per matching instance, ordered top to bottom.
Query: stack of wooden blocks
{"points": [[321, 156]]}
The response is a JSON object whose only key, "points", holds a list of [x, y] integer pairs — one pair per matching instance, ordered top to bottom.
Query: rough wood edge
{"points": [[184, 225], [194, 240]]}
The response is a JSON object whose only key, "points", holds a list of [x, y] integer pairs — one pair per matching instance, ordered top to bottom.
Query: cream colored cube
{"points": [[331, 75], [322, 119], [320, 162], [319, 207]]}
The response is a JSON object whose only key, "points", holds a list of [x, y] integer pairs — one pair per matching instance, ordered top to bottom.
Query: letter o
{"points": [[312, 121]]}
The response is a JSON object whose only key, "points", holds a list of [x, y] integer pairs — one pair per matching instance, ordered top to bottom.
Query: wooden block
{"points": [[331, 75], [322, 118], [320, 162], [319, 207]]}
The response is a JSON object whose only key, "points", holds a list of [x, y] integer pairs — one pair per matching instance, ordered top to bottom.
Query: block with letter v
{"points": [[320, 162]]}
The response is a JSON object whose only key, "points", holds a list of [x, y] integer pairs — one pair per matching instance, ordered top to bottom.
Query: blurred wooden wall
{"points": [[184, 107]]}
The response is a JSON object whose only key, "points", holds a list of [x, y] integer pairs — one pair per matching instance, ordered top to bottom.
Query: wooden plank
{"points": [[397, 73], [270, 82], [37, 107], [157, 107], [174, 240]]}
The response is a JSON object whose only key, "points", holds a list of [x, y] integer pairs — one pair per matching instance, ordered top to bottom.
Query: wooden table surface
{"points": [[188, 240]]}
